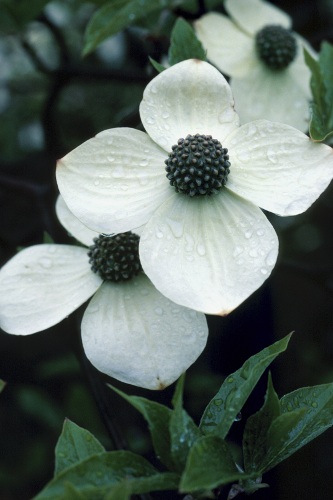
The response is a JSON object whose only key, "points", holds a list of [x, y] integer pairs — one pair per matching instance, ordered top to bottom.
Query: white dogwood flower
{"points": [[269, 77], [206, 244], [129, 330]]}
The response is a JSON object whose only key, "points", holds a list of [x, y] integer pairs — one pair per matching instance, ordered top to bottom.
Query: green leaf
{"points": [[117, 15], [184, 44], [159, 67], [321, 125], [2, 384], [222, 410], [306, 413], [158, 419], [256, 429], [183, 431], [74, 445], [210, 464], [95, 476], [121, 491]]}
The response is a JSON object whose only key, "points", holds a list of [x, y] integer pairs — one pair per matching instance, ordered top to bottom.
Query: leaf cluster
{"points": [[321, 126], [195, 459]]}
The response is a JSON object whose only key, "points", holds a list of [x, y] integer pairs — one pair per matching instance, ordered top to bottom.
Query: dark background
{"points": [[51, 100]]}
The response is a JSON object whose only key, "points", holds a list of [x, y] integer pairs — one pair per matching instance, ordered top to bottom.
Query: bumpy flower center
{"points": [[276, 46], [198, 165], [115, 258]]}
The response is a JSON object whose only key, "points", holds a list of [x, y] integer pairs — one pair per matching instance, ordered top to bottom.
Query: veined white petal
{"points": [[253, 15], [229, 48], [278, 96], [188, 98], [278, 167], [115, 181], [73, 225], [208, 253], [42, 285], [134, 334]]}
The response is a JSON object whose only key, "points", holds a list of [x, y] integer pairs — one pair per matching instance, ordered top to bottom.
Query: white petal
{"points": [[252, 15], [229, 48], [278, 96], [188, 98], [278, 167], [115, 181], [73, 225], [208, 253], [42, 285], [134, 334]]}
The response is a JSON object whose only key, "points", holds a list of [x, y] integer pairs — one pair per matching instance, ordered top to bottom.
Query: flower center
{"points": [[276, 46], [198, 165], [115, 258]]}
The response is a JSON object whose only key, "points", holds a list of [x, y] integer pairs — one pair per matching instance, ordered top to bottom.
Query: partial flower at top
{"points": [[269, 78], [197, 179], [129, 330]]}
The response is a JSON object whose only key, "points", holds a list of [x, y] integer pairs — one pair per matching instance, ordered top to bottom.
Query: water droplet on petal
{"points": [[150, 120], [144, 163], [176, 227], [260, 232], [248, 233], [201, 249], [271, 258], [46, 263], [263, 270], [159, 311]]}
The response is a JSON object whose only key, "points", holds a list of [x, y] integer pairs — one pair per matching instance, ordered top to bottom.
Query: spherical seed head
{"points": [[276, 46], [198, 165], [115, 258]]}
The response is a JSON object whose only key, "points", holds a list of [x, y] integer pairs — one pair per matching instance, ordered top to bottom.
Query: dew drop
{"points": [[165, 115], [150, 120], [110, 158], [144, 163], [96, 182], [176, 227], [260, 232], [158, 233], [248, 233], [201, 249], [237, 251], [271, 258], [46, 263], [263, 271], [159, 311], [218, 402], [314, 404]]}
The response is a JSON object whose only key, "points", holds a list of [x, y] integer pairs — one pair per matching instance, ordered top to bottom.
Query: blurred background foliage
{"points": [[51, 100]]}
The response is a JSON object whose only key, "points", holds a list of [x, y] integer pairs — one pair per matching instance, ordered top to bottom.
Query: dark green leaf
{"points": [[14, 15], [117, 15], [184, 44], [159, 67], [321, 125], [2, 384], [227, 403], [306, 413], [158, 419], [256, 429], [183, 431], [74, 445], [209, 464], [95, 476], [121, 491]]}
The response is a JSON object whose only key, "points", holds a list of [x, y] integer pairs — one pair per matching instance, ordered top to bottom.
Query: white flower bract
{"points": [[259, 92], [207, 253], [130, 331]]}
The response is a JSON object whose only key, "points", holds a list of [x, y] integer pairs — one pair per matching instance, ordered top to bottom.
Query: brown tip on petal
{"points": [[198, 61], [223, 313], [160, 386]]}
